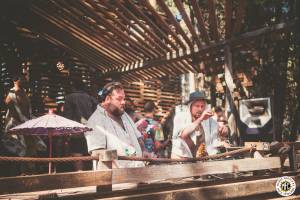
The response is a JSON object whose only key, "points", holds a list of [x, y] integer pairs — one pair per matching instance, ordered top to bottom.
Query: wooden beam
{"points": [[171, 17], [239, 17], [228, 18], [58, 20], [213, 20], [187, 21], [200, 21], [163, 23], [151, 24], [41, 25], [143, 26], [76, 27], [68, 30], [117, 31], [135, 32], [98, 34], [213, 47], [72, 51], [184, 67], [180, 69], [228, 70], [230, 86], [163, 172], [54, 181], [247, 189]]}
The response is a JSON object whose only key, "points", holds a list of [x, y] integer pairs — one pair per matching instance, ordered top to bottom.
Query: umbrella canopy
{"points": [[50, 124]]}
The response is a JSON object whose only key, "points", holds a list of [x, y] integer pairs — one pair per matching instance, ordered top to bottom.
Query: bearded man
{"points": [[113, 129]]}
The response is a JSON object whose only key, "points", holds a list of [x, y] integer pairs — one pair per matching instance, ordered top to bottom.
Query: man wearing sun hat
{"points": [[194, 126]]}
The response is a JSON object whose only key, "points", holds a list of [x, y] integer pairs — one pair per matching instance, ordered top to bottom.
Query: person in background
{"points": [[19, 106], [79, 106], [130, 110], [19, 111], [218, 113], [167, 126], [113, 128], [223, 128], [152, 131]]}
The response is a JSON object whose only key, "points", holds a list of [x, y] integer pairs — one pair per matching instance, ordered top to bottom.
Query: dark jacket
{"points": [[79, 106]]}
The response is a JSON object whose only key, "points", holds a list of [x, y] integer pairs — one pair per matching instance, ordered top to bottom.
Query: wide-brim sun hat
{"points": [[196, 96]]}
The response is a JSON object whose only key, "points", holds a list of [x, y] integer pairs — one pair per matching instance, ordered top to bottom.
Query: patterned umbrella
{"points": [[50, 125]]}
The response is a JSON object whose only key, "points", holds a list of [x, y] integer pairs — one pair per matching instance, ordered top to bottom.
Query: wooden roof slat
{"points": [[239, 16], [171, 17], [228, 18], [213, 20], [200, 21], [188, 22], [150, 23], [163, 23], [82, 26], [144, 27], [71, 28], [114, 29], [99, 32], [66, 33], [84, 37], [132, 39], [117, 43], [151, 44], [218, 45], [145, 46], [73, 51], [120, 51], [188, 66], [161, 69], [166, 69], [173, 69], [180, 69], [154, 72], [162, 73], [142, 74], [146, 75], [127, 78]]}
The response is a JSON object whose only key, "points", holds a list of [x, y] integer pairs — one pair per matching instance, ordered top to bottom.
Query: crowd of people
{"points": [[192, 132]]}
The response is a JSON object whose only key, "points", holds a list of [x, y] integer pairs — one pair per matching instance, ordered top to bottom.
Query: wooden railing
{"points": [[105, 176]]}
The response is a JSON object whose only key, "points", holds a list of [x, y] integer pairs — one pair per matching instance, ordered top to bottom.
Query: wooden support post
{"points": [[230, 86], [293, 158], [105, 163]]}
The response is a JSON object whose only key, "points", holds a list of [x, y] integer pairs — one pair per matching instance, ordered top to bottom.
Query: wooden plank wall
{"points": [[165, 93]]}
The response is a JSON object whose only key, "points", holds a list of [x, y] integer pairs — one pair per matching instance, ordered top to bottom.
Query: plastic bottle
{"points": [[126, 151]]}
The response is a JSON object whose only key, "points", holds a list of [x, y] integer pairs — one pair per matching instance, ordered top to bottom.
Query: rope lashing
{"points": [[90, 158]]}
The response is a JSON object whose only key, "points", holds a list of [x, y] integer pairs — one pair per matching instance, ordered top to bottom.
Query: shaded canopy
{"points": [[143, 39], [50, 124]]}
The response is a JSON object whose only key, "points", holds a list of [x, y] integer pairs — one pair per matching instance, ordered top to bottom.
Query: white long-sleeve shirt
{"points": [[184, 119], [108, 134]]}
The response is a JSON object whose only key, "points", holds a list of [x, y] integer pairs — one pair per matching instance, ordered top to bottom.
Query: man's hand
{"points": [[205, 115]]}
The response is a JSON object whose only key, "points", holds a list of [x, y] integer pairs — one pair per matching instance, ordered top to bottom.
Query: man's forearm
{"points": [[189, 129]]}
